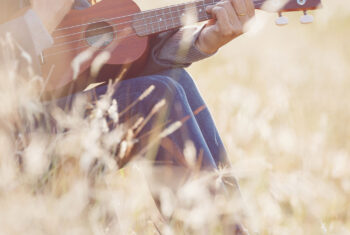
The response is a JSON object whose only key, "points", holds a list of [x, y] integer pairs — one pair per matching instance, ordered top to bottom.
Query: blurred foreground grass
{"points": [[281, 102]]}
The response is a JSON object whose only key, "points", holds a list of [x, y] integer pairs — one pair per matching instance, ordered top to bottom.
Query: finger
{"points": [[250, 8], [209, 10], [229, 10], [241, 10], [222, 22], [237, 25], [224, 26]]}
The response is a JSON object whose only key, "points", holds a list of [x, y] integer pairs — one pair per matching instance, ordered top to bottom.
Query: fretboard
{"points": [[172, 17]]}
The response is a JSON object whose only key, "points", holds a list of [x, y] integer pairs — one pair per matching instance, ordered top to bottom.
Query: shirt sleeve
{"points": [[181, 48], [174, 49]]}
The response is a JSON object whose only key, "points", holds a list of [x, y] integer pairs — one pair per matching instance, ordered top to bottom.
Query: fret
{"points": [[181, 9], [192, 9], [198, 9], [181, 14], [202, 14], [206, 14], [174, 15], [156, 18], [168, 19], [163, 20], [141, 22], [147, 22], [152, 22], [138, 23], [152, 28]]}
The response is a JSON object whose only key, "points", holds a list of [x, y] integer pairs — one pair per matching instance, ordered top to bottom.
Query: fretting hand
{"points": [[51, 12], [229, 18]]}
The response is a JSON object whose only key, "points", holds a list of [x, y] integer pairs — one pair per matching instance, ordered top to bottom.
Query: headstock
{"points": [[289, 5]]}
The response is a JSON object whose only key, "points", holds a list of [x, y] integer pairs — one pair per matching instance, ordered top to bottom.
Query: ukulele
{"points": [[116, 33]]}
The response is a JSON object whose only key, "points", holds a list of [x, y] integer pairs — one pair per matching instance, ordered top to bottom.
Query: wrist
{"points": [[204, 46]]}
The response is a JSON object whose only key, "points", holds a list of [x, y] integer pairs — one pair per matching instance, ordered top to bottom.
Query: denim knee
{"points": [[178, 74], [172, 90]]}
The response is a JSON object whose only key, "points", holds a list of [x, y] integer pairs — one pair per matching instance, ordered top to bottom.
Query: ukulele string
{"points": [[139, 13], [119, 17], [126, 22], [115, 31], [85, 46]]}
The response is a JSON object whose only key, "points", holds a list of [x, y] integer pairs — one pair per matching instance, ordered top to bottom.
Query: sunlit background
{"points": [[280, 99]]}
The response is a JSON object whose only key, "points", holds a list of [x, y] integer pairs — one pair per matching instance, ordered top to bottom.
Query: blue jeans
{"points": [[183, 102]]}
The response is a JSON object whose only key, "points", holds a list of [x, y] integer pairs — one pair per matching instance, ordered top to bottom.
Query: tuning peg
{"points": [[306, 19], [281, 20]]}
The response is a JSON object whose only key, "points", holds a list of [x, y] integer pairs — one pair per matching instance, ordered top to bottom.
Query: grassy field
{"points": [[280, 99]]}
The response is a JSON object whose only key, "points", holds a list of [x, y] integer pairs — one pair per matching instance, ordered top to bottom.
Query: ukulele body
{"points": [[85, 36]]}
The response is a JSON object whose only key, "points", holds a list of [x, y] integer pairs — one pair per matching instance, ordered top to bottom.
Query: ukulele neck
{"points": [[162, 19]]}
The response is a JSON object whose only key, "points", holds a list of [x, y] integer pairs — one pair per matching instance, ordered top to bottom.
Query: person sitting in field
{"points": [[31, 23]]}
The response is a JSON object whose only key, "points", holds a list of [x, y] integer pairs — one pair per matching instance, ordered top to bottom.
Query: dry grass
{"points": [[280, 99]]}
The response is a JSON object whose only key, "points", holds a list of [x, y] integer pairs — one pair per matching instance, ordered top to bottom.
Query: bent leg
{"points": [[177, 108], [202, 115]]}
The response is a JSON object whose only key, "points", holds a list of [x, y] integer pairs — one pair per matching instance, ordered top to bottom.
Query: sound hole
{"points": [[301, 2], [99, 34]]}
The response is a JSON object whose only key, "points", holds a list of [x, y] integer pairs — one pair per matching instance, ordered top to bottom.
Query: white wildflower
{"points": [[147, 92], [113, 111], [171, 129], [190, 153]]}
